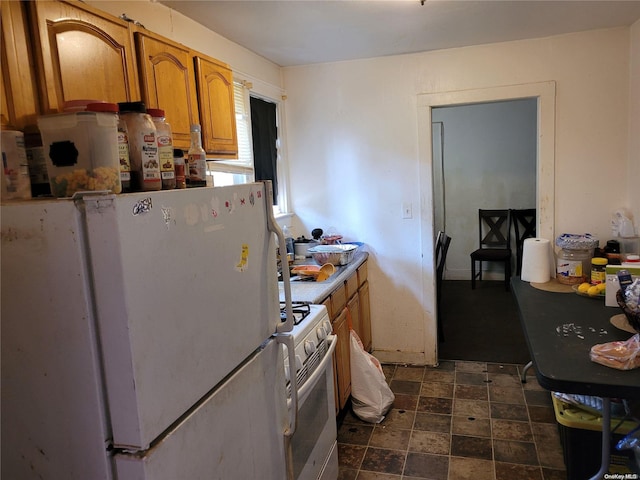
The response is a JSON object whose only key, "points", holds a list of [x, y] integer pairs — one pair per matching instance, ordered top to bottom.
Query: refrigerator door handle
{"points": [[273, 226]]}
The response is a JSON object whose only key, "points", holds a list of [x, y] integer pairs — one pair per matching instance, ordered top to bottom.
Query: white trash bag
{"points": [[371, 397]]}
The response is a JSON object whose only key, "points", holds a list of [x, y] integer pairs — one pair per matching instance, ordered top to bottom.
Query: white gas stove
{"points": [[310, 332], [313, 445]]}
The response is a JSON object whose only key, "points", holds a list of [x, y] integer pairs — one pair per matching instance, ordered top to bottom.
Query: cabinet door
{"points": [[83, 54], [167, 81], [19, 106], [217, 107], [353, 305], [365, 316], [342, 358]]}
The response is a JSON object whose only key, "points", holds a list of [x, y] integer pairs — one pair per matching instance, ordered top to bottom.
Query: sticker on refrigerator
{"points": [[243, 264]]}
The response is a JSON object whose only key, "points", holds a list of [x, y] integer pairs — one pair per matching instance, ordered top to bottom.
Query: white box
{"points": [[612, 282]]}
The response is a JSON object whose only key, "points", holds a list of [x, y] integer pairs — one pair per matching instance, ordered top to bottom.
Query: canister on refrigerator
{"points": [[15, 167]]}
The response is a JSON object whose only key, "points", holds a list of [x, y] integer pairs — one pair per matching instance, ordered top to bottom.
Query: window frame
{"points": [[268, 93]]}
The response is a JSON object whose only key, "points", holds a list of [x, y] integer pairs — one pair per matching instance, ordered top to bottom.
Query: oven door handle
{"points": [[306, 388]]}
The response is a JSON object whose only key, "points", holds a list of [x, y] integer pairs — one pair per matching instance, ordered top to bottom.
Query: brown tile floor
{"points": [[457, 421]]}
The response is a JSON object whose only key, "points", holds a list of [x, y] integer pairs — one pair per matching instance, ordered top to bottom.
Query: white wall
{"points": [[353, 152]]}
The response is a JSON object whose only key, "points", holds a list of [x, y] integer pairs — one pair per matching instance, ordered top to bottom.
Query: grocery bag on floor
{"points": [[371, 397]]}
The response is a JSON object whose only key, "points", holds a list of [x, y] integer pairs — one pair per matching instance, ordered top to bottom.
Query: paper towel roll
{"points": [[536, 264]]}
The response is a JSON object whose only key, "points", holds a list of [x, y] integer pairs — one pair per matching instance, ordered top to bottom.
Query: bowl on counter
{"points": [[340, 254]]}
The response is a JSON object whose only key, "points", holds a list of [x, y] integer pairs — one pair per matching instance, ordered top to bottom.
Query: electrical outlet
{"points": [[407, 210]]}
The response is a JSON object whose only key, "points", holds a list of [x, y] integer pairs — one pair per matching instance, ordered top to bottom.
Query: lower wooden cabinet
{"points": [[348, 300], [342, 359]]}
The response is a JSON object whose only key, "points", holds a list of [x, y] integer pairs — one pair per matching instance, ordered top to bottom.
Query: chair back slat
{"points": [[494, 228]]}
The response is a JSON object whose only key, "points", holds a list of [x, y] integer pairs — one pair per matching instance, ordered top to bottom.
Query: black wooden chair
{"points": [[524, 226], [494, 235], [442, 247]]}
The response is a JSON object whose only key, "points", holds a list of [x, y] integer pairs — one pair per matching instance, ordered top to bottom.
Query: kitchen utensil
{"points": [[326, 271]]}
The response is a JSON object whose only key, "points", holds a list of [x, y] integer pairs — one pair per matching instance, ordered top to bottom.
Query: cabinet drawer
{"points": [[362, 273], [352, 285], [338, 300]]}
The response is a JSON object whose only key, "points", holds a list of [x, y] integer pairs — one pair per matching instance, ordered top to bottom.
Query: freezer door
{"points": [[186, 289], [53, 415], [236, 434]]}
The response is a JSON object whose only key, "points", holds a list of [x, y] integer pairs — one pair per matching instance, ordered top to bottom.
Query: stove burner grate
{"points": [[300, 311]]}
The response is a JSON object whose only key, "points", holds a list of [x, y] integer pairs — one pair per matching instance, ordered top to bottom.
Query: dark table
{"points": [[560, 329]]}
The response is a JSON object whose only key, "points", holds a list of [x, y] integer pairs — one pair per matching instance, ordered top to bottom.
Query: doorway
{"points": [[544, 93], [484, 156]]}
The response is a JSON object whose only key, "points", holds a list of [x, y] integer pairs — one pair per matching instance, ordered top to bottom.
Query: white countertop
{"points": [[315, 292]]}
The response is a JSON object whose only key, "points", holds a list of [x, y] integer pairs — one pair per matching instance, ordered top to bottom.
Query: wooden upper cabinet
{"points": [[83, 54], [167, 81], [19, 107], [217, 108]]}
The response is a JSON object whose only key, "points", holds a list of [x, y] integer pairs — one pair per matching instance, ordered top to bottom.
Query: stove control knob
{"points": [[328, 327], [321, 333], [309, 347]]}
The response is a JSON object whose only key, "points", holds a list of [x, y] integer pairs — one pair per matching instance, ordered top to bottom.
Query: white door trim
{"points": [[545, 92]]}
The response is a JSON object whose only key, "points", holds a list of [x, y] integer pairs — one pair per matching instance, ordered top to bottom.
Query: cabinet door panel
{"points": [[84, 55], [168, 82], [19, 106], [217, 108], [365, 316], [342, 358]]}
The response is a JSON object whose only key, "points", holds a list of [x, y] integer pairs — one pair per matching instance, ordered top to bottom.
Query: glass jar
{"points": [[143, 147], [165, 148], [178, 162], [573, 261], [598, 270]]}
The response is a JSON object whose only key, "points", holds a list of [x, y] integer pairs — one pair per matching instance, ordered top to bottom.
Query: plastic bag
{"points": [[620, 355], [371, 397]]}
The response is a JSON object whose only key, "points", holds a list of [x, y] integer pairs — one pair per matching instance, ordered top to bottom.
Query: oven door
{"points": [[314, 441]]}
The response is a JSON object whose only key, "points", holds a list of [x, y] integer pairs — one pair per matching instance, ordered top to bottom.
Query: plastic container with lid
{"points": [[143, 147], [165, 148], [81, 149], [573, 264]]}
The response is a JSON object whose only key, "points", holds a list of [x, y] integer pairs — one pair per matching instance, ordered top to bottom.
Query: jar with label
{"points": [[143, 147], [165, 148], [123, 156], [197, 159], [178, 161], [37, 162], [15, 172], [574, 258], [598, 270]]}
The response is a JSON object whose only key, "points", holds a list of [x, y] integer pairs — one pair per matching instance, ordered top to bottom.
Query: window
{"points": [[243, 170]]}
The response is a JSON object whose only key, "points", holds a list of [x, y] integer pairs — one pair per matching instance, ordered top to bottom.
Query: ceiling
{"points": [[300, 32]]}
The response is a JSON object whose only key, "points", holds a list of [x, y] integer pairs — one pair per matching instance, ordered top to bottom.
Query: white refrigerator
{"points": [[140, 337]]}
